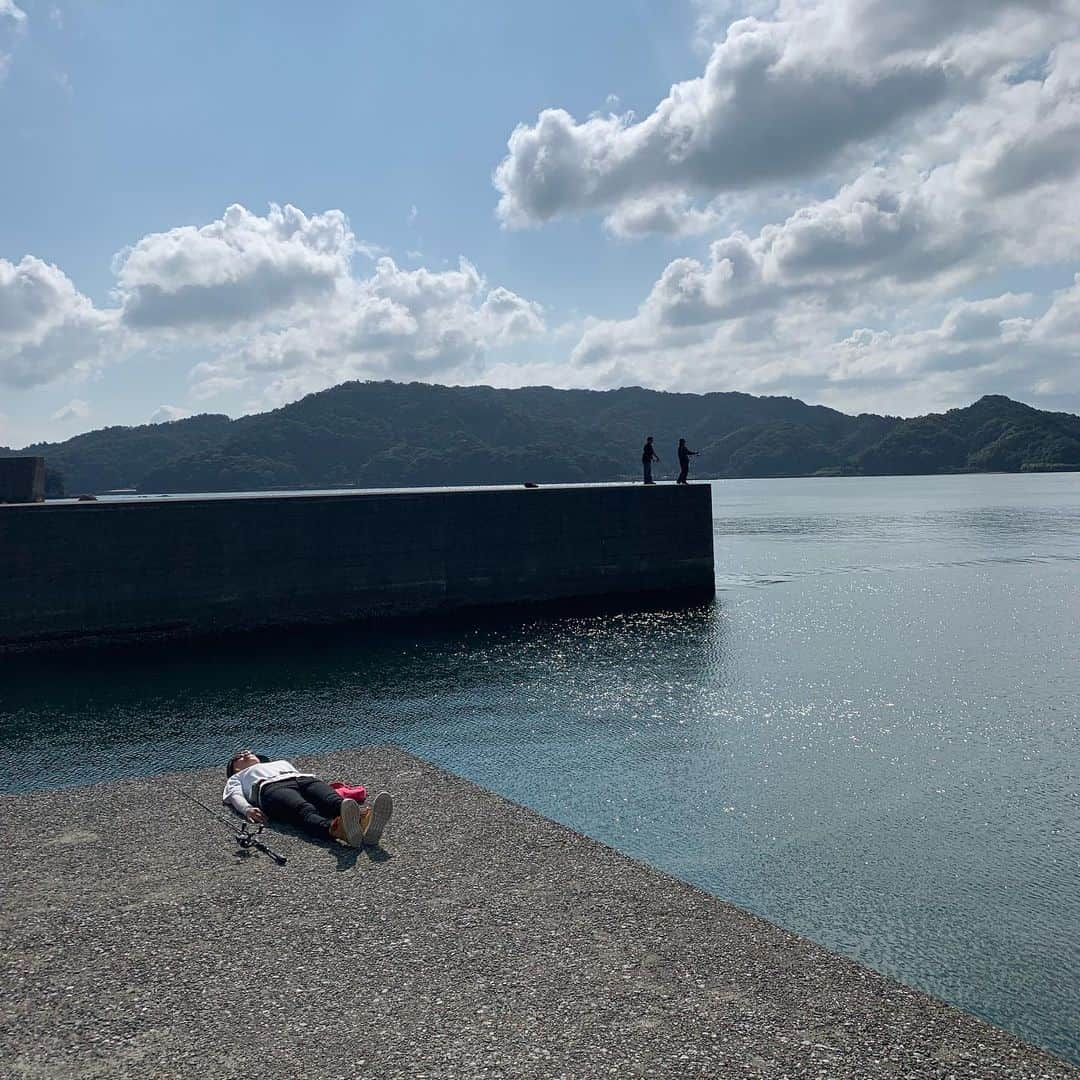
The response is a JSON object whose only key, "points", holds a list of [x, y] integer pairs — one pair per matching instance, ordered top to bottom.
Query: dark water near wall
{"points": [[872, 737]]}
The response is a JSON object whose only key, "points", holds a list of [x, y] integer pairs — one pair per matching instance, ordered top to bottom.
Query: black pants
{"points": [[647, 469], [682, 473], [308, 803]]}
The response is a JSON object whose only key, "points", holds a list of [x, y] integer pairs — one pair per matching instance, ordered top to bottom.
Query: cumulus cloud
{"points": [[976, 34], [781, 97], [756, 115], [1023, 134], [870, 177], [669, 213], [873, 232], [239, 269], [280, 293], [279, 297], [277, 300], [837, 300], [772, 312], [505, 318], [1061, 321], [397, 323], [47, 327], [971, 335], [1000, 344], [979, 346], [975, 347], [210, 378], [76, 409], [164, 414]]}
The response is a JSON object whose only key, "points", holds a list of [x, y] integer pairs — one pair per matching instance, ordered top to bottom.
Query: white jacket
{"points": [[242, 788]]}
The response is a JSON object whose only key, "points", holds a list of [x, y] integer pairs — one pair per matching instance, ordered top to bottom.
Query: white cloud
{"points": [[10, 10], [13, 22], [975, 35], [781, 97], [765, 109], [1022, 135], [908, 160], [669, 213], [874, 236], [240, 269], [423, 289], [857, 293], [280, 295], [274, 297], [277, 297], [773, 312], [505, 318], [1061, 321], [397, 323], [47, 327], [980, 346], [802, 348], [212, 378], [76, 409], [164, 414]]}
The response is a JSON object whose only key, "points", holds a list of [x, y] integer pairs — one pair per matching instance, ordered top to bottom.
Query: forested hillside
{"points": [[384, 434]]}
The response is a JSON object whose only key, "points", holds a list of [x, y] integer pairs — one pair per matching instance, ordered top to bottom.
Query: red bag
{"points": [[350, 791]]}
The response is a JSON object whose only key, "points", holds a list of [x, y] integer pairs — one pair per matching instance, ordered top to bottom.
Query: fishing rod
{"points": [[245, 834]]}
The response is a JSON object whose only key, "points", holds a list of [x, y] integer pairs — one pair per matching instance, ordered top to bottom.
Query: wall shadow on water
{"points": [[73, 717]]}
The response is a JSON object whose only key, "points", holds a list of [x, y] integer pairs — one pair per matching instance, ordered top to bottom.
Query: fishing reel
{"points": [[247, 834], [247, 837]]}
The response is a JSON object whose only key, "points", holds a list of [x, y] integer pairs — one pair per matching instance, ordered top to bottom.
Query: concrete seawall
{"points": [[189, 565], [481, 940]]}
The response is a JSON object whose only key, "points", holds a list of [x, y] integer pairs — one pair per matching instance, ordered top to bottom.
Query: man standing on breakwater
{"points": [[685, 453], [648, 456]]}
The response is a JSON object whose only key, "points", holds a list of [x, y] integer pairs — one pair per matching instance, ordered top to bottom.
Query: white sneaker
{"points": [[382, 807], [354, 819]]}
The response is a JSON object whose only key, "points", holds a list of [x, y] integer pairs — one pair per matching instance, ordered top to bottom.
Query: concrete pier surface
{"points": [[184, 566], [481, 940]]}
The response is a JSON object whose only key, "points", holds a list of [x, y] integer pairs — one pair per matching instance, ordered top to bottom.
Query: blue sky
{"points": [[169, 112], [868, 210]]}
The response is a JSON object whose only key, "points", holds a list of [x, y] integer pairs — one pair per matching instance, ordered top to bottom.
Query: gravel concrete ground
{"points": [[481, 941]]}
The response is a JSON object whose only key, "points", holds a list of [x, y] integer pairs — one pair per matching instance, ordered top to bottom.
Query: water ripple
{"points": [[883, 755]]}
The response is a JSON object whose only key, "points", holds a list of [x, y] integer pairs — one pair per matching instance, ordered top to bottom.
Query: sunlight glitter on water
{"points": [[871, 737]]}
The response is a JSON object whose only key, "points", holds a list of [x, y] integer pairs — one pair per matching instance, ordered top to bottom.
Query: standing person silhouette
{"points": [[648, 456], [684, 461]]}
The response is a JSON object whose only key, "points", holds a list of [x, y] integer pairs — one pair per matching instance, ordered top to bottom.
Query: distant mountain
{"points": [[385, 434]]}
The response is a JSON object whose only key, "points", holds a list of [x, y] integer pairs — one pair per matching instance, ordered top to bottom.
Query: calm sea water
{"points": [[872, 737]]}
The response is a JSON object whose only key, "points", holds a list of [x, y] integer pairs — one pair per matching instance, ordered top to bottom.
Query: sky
{"points": [[211, 207]]}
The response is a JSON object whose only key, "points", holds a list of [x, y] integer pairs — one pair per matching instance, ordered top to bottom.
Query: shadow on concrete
{"points": [[347, 857]]}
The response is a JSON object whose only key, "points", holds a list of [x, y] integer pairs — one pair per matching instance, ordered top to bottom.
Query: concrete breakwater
{"points": [[187, 565], [481, 940]]}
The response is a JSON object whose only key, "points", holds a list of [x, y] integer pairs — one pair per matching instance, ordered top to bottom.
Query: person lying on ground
{"points": [[262, 790]]}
